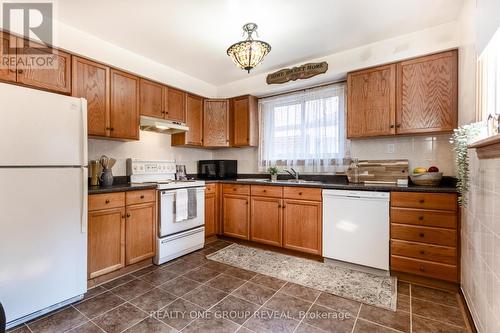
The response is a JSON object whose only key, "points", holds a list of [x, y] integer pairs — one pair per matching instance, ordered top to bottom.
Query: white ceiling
{"points": [[192, 35]]}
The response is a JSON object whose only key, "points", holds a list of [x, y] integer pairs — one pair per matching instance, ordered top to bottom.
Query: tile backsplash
{"points": [[423, 151], [481, 244]]}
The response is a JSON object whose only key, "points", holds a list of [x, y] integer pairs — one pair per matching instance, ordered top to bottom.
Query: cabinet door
{"points": [[8, 52], [55, 77], [91, 81], [427, 94], [151, 99], [371, 102], [176, 107], [124, 117], [194, 120], [245, 121], [216, 123], [210, 214], [236, 216], [265, 223], [302, 226], [140, 231], [106, 241]]}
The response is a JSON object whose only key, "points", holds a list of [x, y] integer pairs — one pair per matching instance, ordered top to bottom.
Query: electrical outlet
{"points": [[390, 148]]}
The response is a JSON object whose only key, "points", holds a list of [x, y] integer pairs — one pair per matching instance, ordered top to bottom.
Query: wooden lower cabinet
{"points": [[211, 210], [236, 213], [266, 220], [302, 226], [140, 232], [120, 234], [425, 235], [106, 241]]}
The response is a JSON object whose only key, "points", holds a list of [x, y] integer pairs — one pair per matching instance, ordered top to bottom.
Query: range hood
{"points": [[162, 125]]}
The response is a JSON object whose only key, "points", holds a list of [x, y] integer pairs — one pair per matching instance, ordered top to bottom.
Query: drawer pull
{"points": [[234, 188], [264, 191], [300, 193], [142, 196], [107, 201], [422, 201], [279, 206], [128, 214], [420, 218], [421, 234], [422, 252], [422, 268]]}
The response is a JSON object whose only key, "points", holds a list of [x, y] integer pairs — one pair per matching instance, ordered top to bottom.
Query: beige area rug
{"points": [[360, 286]]}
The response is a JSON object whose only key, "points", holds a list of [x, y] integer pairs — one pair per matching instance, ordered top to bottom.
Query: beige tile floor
{"points": [[193, 294]]}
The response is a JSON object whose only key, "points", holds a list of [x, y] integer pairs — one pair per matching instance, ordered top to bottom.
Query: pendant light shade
{"points": [[248, 53]]}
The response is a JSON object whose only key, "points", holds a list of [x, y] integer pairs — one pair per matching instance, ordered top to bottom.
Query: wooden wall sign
{"points": [[297, 73]]}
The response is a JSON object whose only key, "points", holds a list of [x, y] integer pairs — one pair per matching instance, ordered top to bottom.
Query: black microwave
{"points": [[217, 169]]}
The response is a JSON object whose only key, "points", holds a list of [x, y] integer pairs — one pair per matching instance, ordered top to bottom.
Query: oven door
{"points": [[168, 225]]}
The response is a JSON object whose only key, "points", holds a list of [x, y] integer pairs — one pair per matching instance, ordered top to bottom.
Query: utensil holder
{"points": [[106, 177]]}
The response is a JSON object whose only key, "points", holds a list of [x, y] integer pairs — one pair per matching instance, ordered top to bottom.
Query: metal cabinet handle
{"points": [[20, 71], [398, 125], [392, 126], [142, 196], [107, 201], [422, 201], [128, 214], [420, 218], [421, 234], [422, 252], [422, 268]]}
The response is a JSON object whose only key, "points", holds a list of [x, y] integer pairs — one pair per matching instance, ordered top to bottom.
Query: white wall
{"points": [[488, 21], [82, 43], [339, 64], [154, 146], [480, 227]]}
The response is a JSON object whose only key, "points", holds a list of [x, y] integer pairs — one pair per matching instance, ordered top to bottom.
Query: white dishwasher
{"points": [[356, 227]]}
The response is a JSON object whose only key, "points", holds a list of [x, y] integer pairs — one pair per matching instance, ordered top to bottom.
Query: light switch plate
{"points": [[390, 148]]}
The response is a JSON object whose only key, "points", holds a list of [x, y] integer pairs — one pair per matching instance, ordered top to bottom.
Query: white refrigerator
{"points": [[43, 201]]}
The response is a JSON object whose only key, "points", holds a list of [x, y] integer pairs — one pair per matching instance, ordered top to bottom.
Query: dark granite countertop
{"points": [[120, 184], [448, 184]]}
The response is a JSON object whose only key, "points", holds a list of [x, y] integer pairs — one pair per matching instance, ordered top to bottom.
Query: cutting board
{"points": [[382, 171]]}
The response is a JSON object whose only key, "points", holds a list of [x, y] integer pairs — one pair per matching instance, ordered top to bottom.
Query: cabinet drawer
{"points": [[210, 188], [236, 189], [267, 191], [302, 193], [137, 197], [106, 200], [439, 201], [429, 218], [427, 235], [442, 254], [424, 268]]}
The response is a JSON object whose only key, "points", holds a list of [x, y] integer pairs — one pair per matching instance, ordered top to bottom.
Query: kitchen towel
{"points": [[192, 203], [181, 205]]}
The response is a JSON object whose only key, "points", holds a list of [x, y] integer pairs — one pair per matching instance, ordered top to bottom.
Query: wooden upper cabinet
{"points": [[7, 51], [56, 77], [91, 81], [427, 94], [152, 99], [175, 101], [371, 102], [124, 119], [194, 120], [245, 121], [216, 123], [140, 232]]}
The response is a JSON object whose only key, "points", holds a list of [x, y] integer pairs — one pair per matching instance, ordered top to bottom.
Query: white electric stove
{"points": [[176, 237]]}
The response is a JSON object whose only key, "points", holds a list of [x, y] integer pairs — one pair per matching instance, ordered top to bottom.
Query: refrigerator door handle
{"points": [[83, 111], [84, 213]]}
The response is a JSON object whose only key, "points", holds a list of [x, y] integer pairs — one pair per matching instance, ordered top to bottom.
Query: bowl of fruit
{"points": [[426, 177]]}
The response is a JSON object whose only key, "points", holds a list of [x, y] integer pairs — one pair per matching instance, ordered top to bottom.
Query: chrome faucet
{"points": [[293, 173]]}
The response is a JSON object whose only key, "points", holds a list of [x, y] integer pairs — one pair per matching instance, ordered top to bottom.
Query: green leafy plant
{"points": [[462, 136], [273, 170]]}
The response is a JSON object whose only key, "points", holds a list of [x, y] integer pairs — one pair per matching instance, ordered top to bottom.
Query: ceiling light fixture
{"points": [[248, 53]]}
